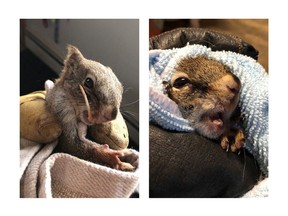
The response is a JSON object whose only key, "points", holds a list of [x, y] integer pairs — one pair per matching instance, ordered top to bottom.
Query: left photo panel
{"points": [[79, 108]]}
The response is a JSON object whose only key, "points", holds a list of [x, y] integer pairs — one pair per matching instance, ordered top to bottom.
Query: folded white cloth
{"points": [[44, 174]]}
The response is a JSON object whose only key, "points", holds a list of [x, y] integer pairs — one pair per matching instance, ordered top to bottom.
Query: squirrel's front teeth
{"points": [[90, 118]]}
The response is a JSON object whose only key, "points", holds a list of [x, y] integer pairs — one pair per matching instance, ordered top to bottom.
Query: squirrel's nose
{"points": [[233, 84], [231, 87], [110, 113], [114, 113]]}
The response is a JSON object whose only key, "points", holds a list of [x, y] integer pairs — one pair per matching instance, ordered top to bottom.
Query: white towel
{"points": [[44, 174]]}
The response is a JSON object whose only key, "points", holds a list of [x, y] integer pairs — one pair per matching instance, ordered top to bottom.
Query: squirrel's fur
{"points": [[66, 101]]}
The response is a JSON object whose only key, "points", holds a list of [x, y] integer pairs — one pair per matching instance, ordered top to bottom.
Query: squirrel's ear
{"points": [[73, 57], [72, 61]]}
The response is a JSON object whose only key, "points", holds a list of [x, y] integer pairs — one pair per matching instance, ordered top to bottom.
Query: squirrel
{"points": [[85, 94], [207, 95]]}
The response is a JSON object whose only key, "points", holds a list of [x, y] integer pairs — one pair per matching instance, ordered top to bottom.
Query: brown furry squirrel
{"points": [[87, 93], [207, 94]]}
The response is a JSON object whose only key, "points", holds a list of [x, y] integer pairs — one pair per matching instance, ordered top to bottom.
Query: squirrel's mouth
{"points": [[216, 119], [211, 124]]}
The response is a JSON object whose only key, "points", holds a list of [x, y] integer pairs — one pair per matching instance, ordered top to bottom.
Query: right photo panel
{"points": [[208, 108]]}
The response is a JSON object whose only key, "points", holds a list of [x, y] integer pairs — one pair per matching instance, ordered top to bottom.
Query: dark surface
{"points": [[213, 39], [33, 73], [188, 165]]}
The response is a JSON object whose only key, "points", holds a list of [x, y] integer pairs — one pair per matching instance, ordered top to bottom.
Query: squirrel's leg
{"points": [[106, 155]]}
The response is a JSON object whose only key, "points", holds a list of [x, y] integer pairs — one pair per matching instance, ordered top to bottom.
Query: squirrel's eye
{"points": [[181, 82], [89, 83]]}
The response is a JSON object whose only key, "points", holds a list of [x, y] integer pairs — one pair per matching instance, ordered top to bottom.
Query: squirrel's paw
{"points": [[234, 140], [239, 141], [131, 157], [112, 158]]}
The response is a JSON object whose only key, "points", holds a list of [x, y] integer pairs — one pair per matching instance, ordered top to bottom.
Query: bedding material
{"points": [[45, 174]]}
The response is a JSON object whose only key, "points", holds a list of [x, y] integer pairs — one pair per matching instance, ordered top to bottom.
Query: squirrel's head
{"points": [[95, 91], [206, 92]]}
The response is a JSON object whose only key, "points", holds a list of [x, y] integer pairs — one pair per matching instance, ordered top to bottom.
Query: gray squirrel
{"points": [[85, 94]]}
